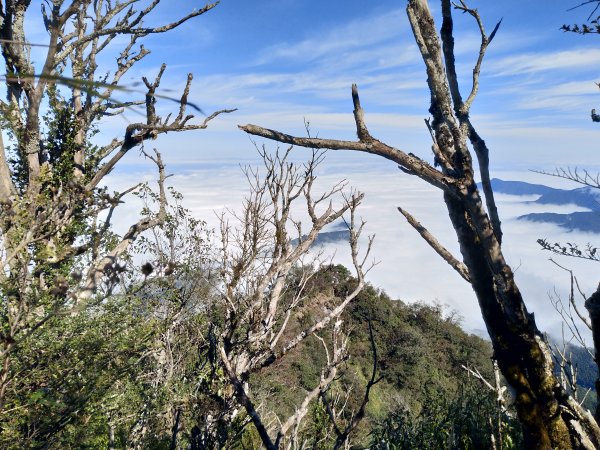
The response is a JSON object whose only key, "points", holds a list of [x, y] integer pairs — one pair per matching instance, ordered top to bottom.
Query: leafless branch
{"points": [[587, 2], [129, 25], [485, 42], [462, 108], [137, 133], [369, 145], [581, 176], [435, 245], [258, 258], [108, 262], [572, 302], [328, 373], [497, 387], [342, 435]]}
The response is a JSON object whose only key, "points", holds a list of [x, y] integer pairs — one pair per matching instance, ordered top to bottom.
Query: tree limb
{"points": [[408, 161], [435, 245]]}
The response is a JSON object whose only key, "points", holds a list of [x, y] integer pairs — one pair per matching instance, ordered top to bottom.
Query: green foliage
{"points": [[126, 362], [139, 362], [126, 370], [66, 371], [424, 390], [468, 420]]}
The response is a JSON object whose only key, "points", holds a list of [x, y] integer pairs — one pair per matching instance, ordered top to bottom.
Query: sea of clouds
{"points": [[407, 268]]}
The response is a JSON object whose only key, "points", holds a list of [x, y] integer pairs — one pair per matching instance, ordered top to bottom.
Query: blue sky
{"points": [[282, 61], [285, 61]]}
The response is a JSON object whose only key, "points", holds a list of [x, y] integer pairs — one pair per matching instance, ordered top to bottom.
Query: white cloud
{"points": [[354, 35], [530, 63], [585, 87], [408, 268]]}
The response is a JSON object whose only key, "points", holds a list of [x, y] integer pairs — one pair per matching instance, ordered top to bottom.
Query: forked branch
{"points": [[366, 143]]}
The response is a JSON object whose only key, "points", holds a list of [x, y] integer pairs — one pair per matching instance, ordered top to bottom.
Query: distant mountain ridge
{"points": [[519, 187], [586, 197], [586, 221], [339, 233]]}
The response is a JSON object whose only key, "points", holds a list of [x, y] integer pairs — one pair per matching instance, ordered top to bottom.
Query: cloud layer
{"points": [[407, 268]]}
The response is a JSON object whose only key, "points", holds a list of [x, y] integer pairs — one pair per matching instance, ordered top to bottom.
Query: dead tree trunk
{"points": [[550, 417]]}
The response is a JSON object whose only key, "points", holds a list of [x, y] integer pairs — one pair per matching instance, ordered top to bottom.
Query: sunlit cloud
{"points": [[408, 269]]}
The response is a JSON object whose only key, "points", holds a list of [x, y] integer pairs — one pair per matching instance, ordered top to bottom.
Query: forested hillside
{"points": [[135, 369], [425, 398]]}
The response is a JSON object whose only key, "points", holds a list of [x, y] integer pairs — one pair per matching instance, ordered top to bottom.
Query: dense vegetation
{"points": [[139, 370]]}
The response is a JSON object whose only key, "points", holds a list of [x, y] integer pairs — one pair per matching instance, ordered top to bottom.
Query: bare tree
{"points": [[57, 248], [259, 252], [550, 417], [342, 429]]}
